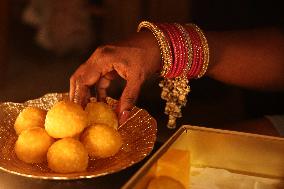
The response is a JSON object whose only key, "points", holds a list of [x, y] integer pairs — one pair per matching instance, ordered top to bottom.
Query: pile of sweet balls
{"points": [[67, 136]]}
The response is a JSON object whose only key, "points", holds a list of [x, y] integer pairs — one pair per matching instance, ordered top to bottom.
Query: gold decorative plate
{"points": [[138, 134]]}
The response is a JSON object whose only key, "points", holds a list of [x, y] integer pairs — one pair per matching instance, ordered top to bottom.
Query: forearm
{"points": [[252, 59], [258, 126]]}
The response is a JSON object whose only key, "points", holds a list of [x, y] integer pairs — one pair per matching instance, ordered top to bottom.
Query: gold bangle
{"points": [[163, 44], [205, 48]]}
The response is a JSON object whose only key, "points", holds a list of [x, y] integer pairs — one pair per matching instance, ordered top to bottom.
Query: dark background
{"points": [[29, 71]]}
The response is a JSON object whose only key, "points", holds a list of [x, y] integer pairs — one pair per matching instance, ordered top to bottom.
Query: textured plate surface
{"points": [[138, 134]]}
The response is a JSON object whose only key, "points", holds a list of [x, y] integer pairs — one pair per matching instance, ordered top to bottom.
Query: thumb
{"points": [[128, 99]]}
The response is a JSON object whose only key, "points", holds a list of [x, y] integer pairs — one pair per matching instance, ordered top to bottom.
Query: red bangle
{"points": [[178, 47], [175, 49], [183, 50], [188, 51]]}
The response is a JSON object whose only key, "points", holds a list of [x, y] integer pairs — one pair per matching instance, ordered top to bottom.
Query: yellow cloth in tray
{"points": [[175, 163]]}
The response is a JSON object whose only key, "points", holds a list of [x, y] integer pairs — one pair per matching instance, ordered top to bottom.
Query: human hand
{"points": [[134, 60]]}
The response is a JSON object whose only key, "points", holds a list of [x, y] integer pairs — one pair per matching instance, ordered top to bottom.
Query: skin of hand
{"points": [[133, 59], [252, 59], [258, 126]]}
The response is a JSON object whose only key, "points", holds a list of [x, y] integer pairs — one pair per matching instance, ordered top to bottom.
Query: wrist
{"points": [[150, 44]]}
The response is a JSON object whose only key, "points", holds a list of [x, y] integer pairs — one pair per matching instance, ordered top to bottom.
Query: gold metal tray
{"points": [[138, 134], [244, 153]]}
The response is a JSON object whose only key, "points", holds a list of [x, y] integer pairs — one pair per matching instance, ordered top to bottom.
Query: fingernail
{"points": [[123, 117]]}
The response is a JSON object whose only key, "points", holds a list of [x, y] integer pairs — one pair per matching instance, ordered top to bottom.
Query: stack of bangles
{"points": [[185, 55]]}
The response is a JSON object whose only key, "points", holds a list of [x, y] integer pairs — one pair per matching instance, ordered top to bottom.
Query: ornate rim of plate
{"points": [[138, 134]]}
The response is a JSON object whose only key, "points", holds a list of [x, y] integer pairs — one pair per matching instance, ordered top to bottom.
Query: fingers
{"points": [[99, 64], [99, 70], [85, 76], [103, 83], [102, 86], [72, 88], [81, 93], [128, 99], [123, 117]]}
